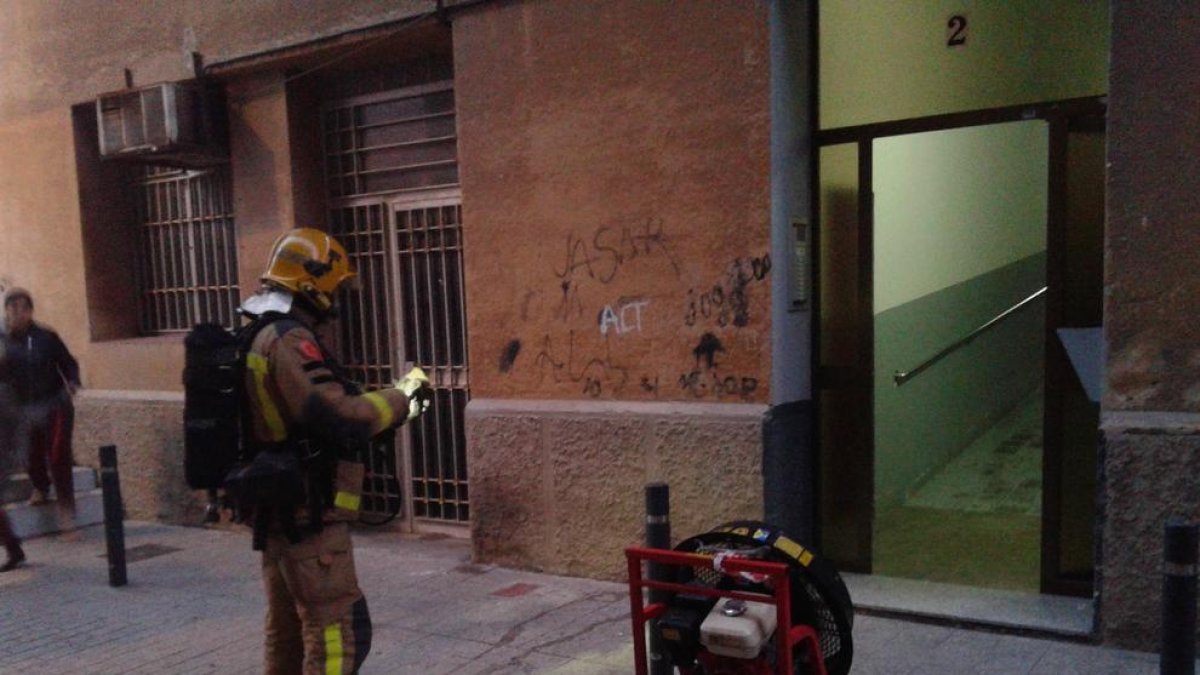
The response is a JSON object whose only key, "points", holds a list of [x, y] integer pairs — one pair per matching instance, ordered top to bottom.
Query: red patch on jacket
{"points": [[310, 351]]}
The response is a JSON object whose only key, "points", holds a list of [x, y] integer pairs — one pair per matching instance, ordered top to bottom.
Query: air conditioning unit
{"points": [[171, 123]]}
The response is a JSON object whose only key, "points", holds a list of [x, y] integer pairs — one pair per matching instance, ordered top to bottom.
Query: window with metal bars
{"points": [[393, 142], [186, 253]]}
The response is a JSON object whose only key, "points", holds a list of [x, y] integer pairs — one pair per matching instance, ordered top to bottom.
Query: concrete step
{"points": [[18, 487], [32, 521]]}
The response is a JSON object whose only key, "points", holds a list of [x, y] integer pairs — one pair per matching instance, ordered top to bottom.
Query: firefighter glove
{"points": [[415, 385]]}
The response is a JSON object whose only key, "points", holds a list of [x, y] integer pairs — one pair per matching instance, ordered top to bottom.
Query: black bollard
{"points": [[114, 526], [658, 535], [1178, 655]]}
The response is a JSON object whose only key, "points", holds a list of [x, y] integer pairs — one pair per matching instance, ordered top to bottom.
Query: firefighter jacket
{"points": [[295, 391]]}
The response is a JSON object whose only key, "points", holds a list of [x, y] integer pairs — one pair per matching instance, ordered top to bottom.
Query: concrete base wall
{"points": [[147, 428], [1149, 475], [558, 486]]}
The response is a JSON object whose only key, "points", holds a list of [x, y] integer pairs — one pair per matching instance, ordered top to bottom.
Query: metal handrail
{"points": [[900, 377]]}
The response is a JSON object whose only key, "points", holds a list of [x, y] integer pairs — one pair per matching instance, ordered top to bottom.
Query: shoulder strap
{"points": [[247, 333], [245, 336]]}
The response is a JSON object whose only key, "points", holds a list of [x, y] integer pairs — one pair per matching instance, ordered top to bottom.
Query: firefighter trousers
{"points": [[317, 621]]}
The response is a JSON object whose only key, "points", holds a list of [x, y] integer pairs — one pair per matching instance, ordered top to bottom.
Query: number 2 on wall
{"points": [[956, 30]]}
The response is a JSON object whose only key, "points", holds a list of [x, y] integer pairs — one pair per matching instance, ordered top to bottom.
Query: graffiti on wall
{"points": [[602, 253], [592, 259], [726, 303], [626, 318], [509, 356], [595, 374], [706, 378]]}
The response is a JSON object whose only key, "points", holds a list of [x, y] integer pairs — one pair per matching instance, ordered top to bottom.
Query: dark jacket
{"points": [[37, 364]]}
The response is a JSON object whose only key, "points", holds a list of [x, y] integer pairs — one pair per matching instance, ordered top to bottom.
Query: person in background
{"points": [[43, 376], [9, 421]]}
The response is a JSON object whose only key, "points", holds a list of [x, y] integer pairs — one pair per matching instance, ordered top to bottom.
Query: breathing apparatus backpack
{"points": [[214, 439], [263, 483]]}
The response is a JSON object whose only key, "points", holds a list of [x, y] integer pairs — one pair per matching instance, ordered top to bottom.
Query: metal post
{"points": [[114, 526], [658, 535], [636, 615], [1178, 655]]}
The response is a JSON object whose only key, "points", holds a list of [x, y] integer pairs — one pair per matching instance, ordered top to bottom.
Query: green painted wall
{"points": [[888, 59], [952, 205], [960, 223], [924, 423]]}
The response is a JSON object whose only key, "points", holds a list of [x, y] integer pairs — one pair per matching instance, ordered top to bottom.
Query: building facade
{"points": [[702, 243]]}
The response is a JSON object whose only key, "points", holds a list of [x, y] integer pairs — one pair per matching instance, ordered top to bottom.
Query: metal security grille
{"points": [[392, 142], [392, 175], [429, 253], [187, 254], [365, 339]]}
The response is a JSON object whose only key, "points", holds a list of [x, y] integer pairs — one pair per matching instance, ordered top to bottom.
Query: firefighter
{"points": [[307, 416]]}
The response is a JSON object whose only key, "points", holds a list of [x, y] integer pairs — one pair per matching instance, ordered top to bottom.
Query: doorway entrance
{"points": [[395, 203], [957, 444]]}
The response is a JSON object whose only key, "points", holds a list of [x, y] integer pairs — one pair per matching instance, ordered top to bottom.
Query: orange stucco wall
{"points": [[52, 53], [57, 55], [614, 160], [614, 163], [585, 165], [261, 167], [615, 171], [41, 245]]}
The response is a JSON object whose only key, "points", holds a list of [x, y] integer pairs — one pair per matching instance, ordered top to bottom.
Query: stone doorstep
{"points": [[18, 488], [32, 521], [1033, 614]]}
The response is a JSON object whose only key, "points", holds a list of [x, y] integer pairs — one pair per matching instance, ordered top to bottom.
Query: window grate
{"points": [[394, 142], [187, 254]]}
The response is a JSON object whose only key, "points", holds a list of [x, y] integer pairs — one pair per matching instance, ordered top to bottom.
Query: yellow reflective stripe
{"points": [[258, 365], [386, 416], [347, 500], [794, 550], [333, 649]]}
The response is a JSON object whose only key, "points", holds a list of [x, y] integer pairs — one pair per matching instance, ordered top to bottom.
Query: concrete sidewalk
{"points": [[194, 605]]}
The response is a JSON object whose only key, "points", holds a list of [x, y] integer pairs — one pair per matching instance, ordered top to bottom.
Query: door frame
{"points": [[1059, 116]]}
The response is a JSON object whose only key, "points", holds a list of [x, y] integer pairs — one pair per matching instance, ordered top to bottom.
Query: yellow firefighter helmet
{"points": [[309, 263]]}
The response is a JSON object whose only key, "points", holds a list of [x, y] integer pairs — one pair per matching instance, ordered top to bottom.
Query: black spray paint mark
{"points": [[612, 246], [727, 302], [570, 305], [707, 350], [509, 356], [597, 374], [650, 385], [716, 386]]}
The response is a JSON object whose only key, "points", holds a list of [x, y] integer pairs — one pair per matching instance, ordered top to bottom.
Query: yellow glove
{"points": [[415, 385]]}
